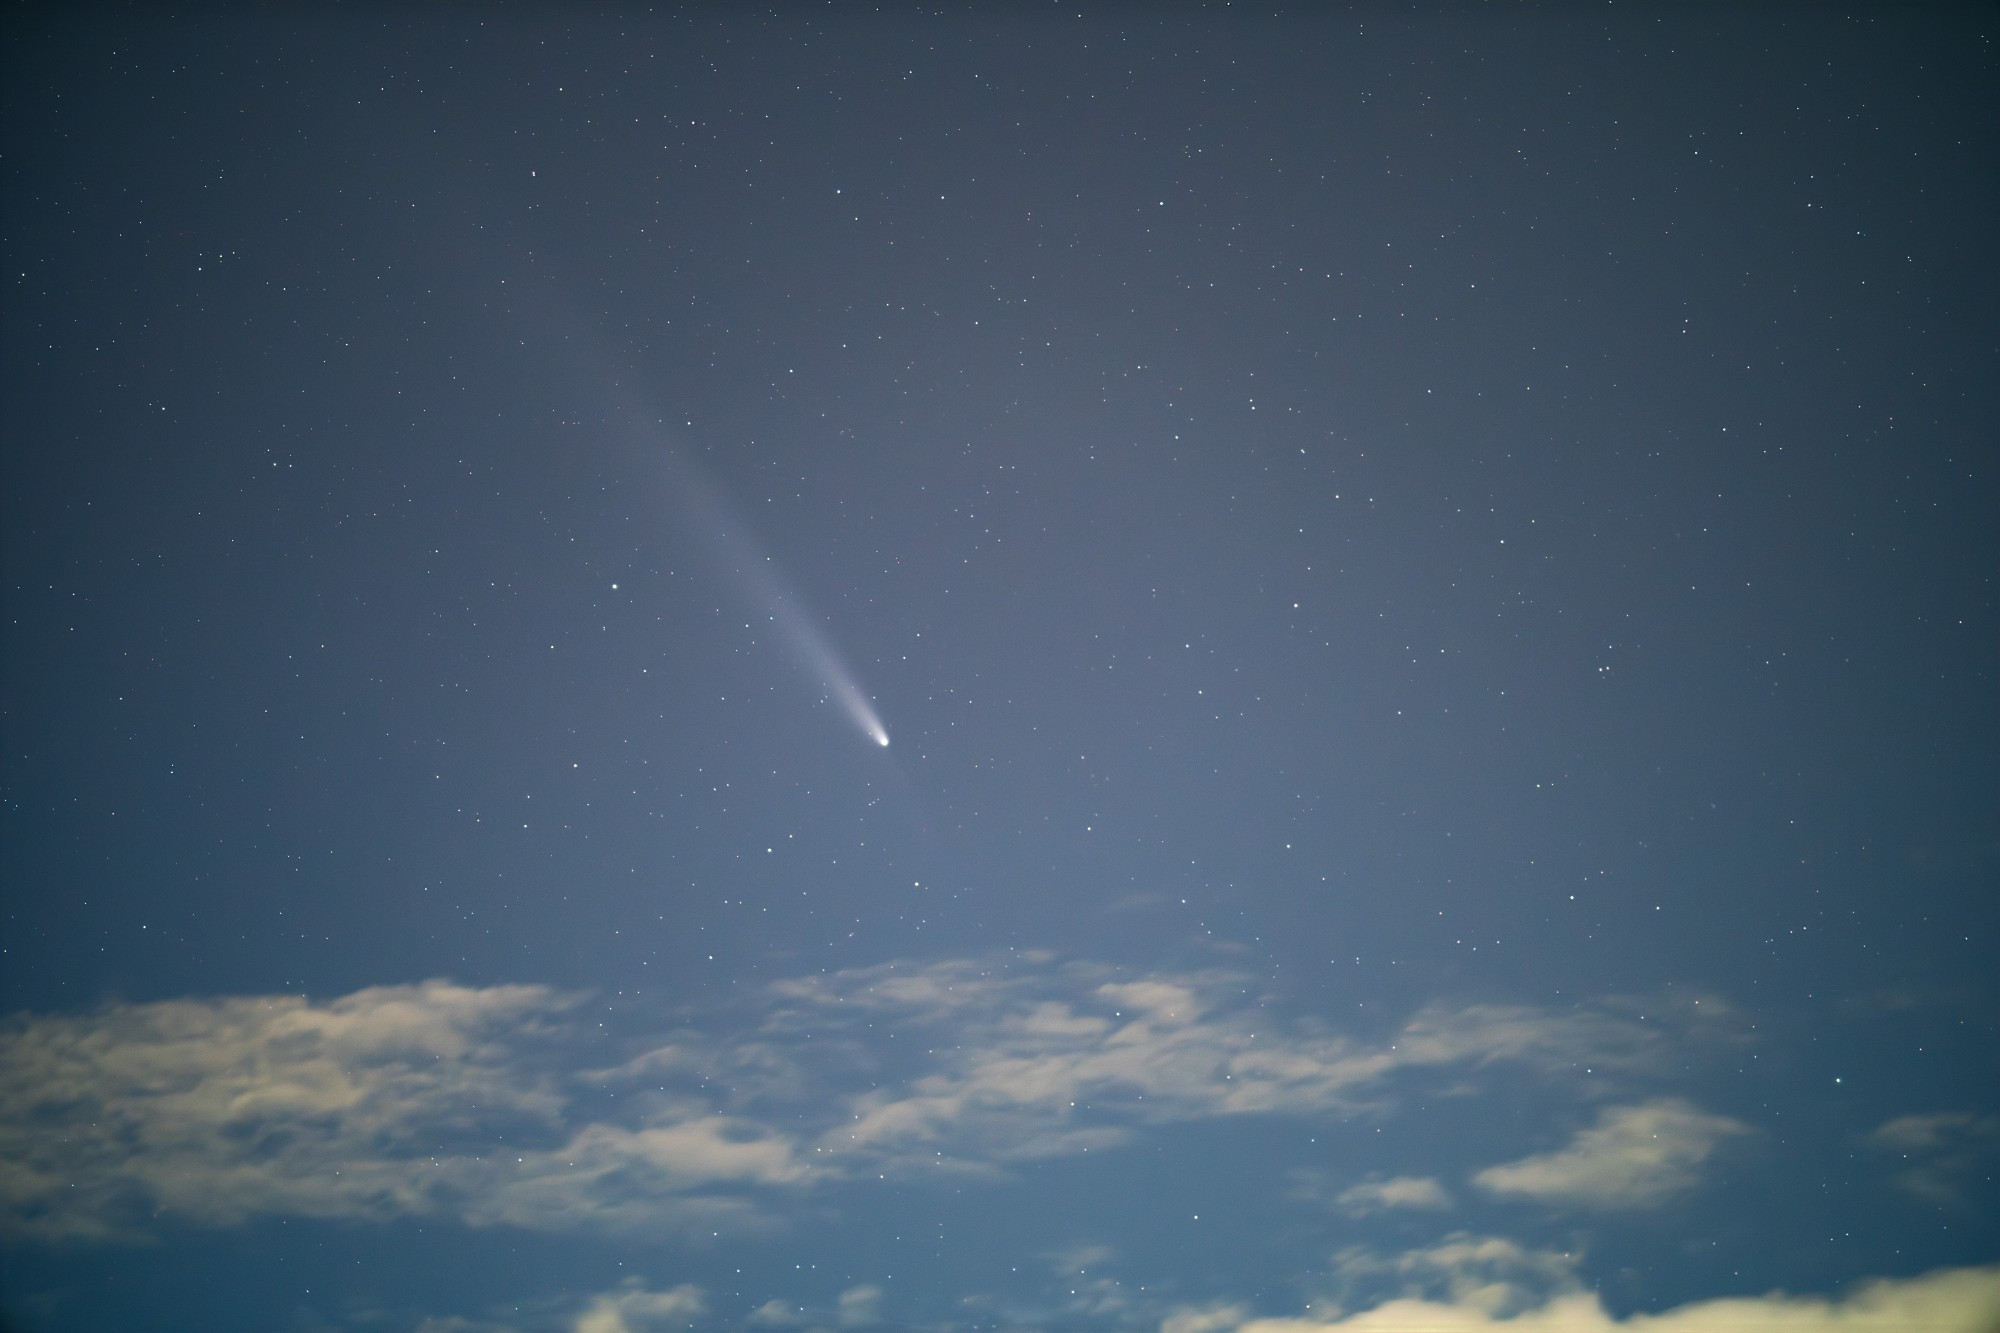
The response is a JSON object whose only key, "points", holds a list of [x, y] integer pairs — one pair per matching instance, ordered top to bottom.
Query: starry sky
{"points": [[1013, 668]]}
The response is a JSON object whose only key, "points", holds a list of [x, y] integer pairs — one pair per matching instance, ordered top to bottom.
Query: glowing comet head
{"points": [[858, 708]]}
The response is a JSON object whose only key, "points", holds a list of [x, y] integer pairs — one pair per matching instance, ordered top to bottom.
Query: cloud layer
{"points": [[412, 1101], [509, 1106], [525, 1107], [1947, 1154], [1634, 1157], [1468, 1284], [1965, 1300]]}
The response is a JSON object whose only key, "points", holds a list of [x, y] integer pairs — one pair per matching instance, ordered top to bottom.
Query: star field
{"points": [[999, 668]]}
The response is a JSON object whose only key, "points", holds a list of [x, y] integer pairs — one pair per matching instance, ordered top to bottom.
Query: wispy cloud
{"points": [[1053, 1060], [431, 1100], [505, 1106], [1945, 1152], [1634, 1157], [1372, 1196], [1360, 1198], [1490, 1274], [1964, 1300], [860, 1305], [857, 1307], [632, 1308], [776, 1313], [1218, 1318]]}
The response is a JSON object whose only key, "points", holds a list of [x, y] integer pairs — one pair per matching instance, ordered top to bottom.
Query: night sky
{"points": [[1017, 667]]}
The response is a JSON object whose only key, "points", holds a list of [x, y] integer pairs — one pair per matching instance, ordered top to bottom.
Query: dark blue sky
{"points": [[1431, 580]]}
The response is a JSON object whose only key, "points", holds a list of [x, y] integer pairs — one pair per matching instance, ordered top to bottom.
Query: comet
{"points": [[710, 513], [806, 641], [817, 654]]}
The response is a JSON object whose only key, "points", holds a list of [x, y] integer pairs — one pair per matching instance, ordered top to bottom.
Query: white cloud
{"points": [[1056, 1060], [429, 1100], [503, 1106], [217, 1110], [1928, 1133], [1945, 1151], [1634, 1157], [608, 1176], [1371, 1196], [1079, 1258], [1487, 1273], [1964, 1300], [861, 1305], [857, 1307], [631, 1308], [775, 1313], [1203, 1319]]}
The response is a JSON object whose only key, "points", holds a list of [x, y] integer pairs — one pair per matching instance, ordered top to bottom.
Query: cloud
{"points": [[1049, 1060], [431, 1101], [504, 1106], [507, 1106], [217, 1110], [1929, 1133], [1945, 1150], [1635, 1157], [633, 1179], [1372, 1196], [1078, 1258], [1491, 1274], [1963, 1300], [860, 1305], [857, 1307], [631, 1308], [775, 1313], [1203, 1319]]}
